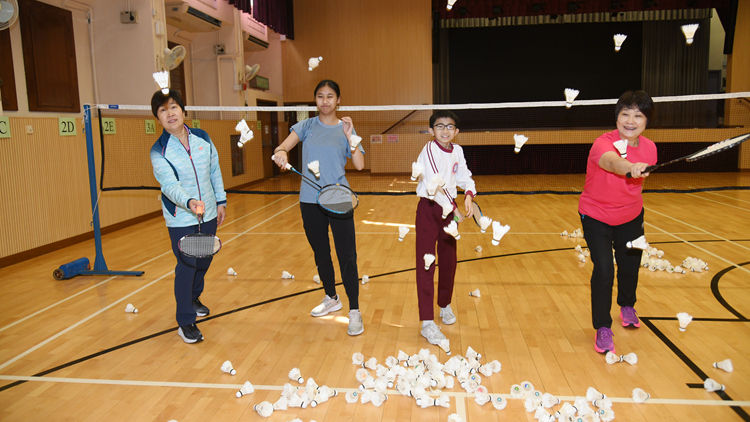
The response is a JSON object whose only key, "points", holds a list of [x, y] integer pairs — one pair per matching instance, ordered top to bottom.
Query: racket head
{"points": [[718, 147], [338, 199], [477, 213], [199, 245]]}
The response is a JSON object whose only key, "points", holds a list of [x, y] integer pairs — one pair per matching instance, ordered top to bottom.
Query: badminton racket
{"points": [[705, 152], [336, 198], [477, 213], [199, 245]]}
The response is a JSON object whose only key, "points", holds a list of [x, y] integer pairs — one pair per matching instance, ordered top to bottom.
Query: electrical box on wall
{"points": [[129, 17], [220, 49]]}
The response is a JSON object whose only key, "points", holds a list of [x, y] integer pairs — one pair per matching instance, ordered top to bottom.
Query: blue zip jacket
{"points": [[185, 175]]}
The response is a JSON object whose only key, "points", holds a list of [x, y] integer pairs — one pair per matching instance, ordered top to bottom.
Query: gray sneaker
{"points": [[328, 304], [449, 318], [355, 323], [432, 333]]}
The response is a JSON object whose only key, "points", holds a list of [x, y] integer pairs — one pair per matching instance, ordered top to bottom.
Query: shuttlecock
{"points": [[450, 4], [689, 31], [619, 39], [313, 62], [162, 78], [570, 96], [245, 133], [519, 140], [354, 141], [622, 148], [314, 167], [416, 170], [431, 188], [447, 209], [484, 223], [452, 229], [498, 231], [402, 232], [564, 233], [639, 243], [478, 249], [582, 257], [428, 260], [231, 271], [285, 275], [316, 279], [365, 279], [475, 293], [129, 308], [684, 319], [445, 345], [630, 358], [358, 359], [726, 365], [227, 367], [361, 373], [295, 375], [711, 385], [247, 388], [592, 394], [639, 396], [352, 397], [548, 400], [498, 402], [604, 403], [281, 404], [531, 404], [264, 409], [567, 409], [606, 414], [542, 415], [455, 418]]}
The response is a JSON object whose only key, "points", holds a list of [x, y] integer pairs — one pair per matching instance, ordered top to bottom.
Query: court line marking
{"points": [[730, 197], [721, 203], [413, 234], [112, 278], [122, 299], [455, 394]]}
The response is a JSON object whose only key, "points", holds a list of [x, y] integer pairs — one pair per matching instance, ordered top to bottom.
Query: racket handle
{"points": [[286, 167], [648, 169], [200, 207]]}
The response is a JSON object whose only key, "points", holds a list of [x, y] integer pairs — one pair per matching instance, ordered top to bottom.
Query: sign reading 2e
{"points": [[108, 126]]}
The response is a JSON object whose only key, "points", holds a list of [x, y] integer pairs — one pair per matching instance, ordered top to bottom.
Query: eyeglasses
{"points": [[441, 126]]}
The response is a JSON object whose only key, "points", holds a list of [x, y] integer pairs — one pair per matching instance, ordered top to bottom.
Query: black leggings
{"points": [[316, 221], [601, 238]]}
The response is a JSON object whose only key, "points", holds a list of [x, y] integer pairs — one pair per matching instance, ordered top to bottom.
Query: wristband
{"points": [[277, 150]]}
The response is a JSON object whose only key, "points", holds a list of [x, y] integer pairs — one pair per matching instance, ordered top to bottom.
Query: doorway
{"points": [[269, 132]]}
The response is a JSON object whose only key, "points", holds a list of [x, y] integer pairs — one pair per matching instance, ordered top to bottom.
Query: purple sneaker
{"points": [[629, 317], [604, 342]]}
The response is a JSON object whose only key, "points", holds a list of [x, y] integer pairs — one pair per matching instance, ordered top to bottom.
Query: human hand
{"points": [[348, 126], [281, 158], [637, 170], [468, 202], [196, 206], [221, 214], [458, 216]]}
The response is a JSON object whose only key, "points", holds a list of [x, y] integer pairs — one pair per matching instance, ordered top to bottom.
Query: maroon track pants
{"points": [[430, 231]]}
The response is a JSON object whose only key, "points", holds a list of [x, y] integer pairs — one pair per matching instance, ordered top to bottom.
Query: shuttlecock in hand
{"points": [[689, 31], [619, 39], [162, 78], [570, 96], [245, 133], [354, 141], [519, 141], [622, 147], [314, 167], [416, 170], [484, 223], [452, 229], [498, 231], [402, 232], [639, 243], [428, 260], [231, 271], [286, 274], [475, 293], [131, 309], [684, 319], [726, 365], [227, 367], [247, 388], [640, 396]]}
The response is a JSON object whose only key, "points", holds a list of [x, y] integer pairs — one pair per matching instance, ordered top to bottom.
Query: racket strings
{"points": [[718, 147], [338, 199], [200, 245]]}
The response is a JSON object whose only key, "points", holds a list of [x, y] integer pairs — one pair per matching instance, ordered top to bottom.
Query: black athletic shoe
{"points": [[200, 309], [190, 333]]}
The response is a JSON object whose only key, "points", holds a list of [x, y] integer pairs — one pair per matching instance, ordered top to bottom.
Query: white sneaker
{"points": [[328, 304], [449, 318], [355, 323], [432, 333]]}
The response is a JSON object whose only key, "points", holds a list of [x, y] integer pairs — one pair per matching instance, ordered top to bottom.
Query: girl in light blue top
{"points": [[326, 139]]}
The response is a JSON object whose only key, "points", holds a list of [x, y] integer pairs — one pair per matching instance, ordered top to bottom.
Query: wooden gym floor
{"points": [[68, 351]]}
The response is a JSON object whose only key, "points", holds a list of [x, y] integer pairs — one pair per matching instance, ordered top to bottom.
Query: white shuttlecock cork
{"points": [[689, 31], [619, 39], [313, 62], [162, 78], [570, 96], [519, 140], [354, 141], [622, 148], [314, 167], [416, 170], [447, 209], [484, 223], [452, 229], [498, 231], [402, 232], [639, 243], [478, 249], [428, 260], [231, 271], [286, 275], [316, 279], [365, 279], [475, 293], [129, 308], [684, 319], [358, 359], [726, 365], [227, 367], [295, 375], [711, 385], [527, 387], [247, 388], [592, 394], [640, 396], [498, 402], [264, 409]]}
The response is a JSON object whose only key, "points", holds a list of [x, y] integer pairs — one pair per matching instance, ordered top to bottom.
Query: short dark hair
{"points": [[329, 83], [159, 99], [636, 99], [443, 114]]}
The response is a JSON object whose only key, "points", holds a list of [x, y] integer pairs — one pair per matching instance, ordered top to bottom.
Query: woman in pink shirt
{"points": [[611, 209]]}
